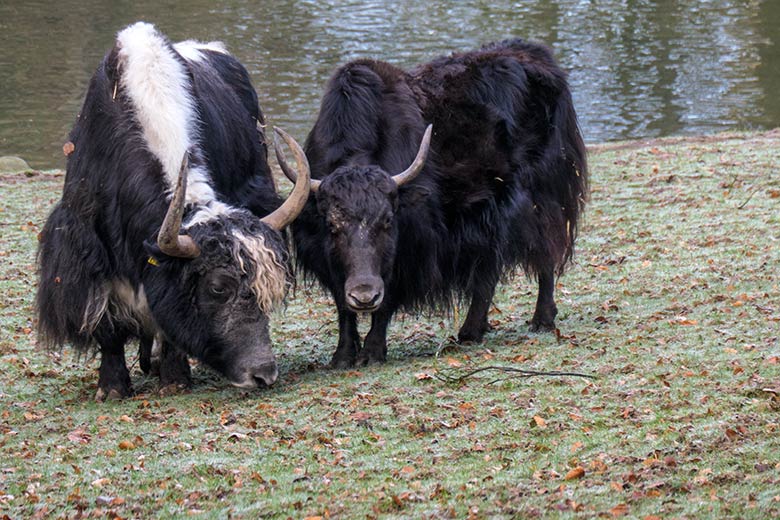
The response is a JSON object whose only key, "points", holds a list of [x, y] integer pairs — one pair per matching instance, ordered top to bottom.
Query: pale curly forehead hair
{"points": [[269, 273]]}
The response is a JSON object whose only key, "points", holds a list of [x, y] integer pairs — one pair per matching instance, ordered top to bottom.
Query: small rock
{"points": [[11, 164]]}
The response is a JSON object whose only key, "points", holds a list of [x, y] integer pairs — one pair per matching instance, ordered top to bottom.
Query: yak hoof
{"points": [[541, 326], [472, 335], [365, 359], [341, 363], [173, 389], [112, 394]]}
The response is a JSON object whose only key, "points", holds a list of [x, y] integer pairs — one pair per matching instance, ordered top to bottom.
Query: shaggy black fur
{"points": [[504, 185], [113, 203]]}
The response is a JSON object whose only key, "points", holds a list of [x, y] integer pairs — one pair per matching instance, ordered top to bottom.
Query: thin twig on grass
{"points": [[748, 199], [447, 378]]}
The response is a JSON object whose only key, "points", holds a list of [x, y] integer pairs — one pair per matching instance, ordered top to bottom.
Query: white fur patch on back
{"points": [[191, 50], [156, 81]]}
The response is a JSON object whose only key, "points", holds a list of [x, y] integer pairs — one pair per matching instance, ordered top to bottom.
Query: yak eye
{"points": [[387, 222], [220, 288]]}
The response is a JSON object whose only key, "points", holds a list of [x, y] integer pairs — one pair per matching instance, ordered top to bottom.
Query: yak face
{"points": [[359, 207], [215, 306]]}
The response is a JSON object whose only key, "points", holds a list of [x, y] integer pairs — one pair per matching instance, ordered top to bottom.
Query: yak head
{"points": [[359, 206], [211, 288]]}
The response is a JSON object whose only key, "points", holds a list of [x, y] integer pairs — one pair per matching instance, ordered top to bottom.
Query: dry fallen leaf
{"points": [[451, 361], [539, 422], [80, 436], [126, 445], [575, 473], [100, 482], [619, 510]]}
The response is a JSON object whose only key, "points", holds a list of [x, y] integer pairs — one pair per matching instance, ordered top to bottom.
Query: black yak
{"points": [[504, 184], [169, 227]]}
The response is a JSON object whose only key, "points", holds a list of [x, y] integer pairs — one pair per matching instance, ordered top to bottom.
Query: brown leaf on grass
{"points": [[683, 320], [454, 363], [423, 376], [466, 407], [32, 417], [360, 417], [539, 422], [79, 436], [126, 445], [575, 473], [104, 500], [619, 510]]}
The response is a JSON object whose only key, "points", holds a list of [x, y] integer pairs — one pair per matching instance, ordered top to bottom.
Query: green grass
{"points": [[673, 303]]}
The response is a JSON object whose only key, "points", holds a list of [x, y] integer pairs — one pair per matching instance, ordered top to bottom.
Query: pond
{"points": [[638, 68]]}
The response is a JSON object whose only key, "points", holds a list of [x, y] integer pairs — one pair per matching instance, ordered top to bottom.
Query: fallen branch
{"points": [[522, 374]]}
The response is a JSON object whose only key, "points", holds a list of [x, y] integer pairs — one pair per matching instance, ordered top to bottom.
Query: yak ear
{"points": [[413, 194], [155, 253]]}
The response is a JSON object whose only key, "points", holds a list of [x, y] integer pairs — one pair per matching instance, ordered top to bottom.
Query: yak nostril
{"points": [[365, 296], [266, 373]]}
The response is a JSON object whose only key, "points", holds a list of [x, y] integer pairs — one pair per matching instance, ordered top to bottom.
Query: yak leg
{"points": [[544, 315], [476, 323], [349, 341], [375, 346], [145, 354], [174, 369], [114, 378]]}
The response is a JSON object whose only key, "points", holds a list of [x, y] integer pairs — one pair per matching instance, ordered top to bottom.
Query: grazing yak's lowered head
{"points": [[169, 228], [211, 289]]}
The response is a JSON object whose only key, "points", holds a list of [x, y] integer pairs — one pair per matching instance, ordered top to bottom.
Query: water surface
{"points": [[638, 68]]}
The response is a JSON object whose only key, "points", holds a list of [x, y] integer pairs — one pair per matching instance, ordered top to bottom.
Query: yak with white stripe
{"points": [[169, 227]]}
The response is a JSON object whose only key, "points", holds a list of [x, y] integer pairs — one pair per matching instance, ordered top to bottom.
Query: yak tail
{"points": [[575, 167], [562, 176]]}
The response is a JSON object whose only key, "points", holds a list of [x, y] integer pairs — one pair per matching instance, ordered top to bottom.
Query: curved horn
{"points": [[416, 167], [286, 169], [287, 212], [169, 240]]}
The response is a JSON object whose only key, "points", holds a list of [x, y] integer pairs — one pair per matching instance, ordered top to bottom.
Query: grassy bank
{"points": [[673, 304]]}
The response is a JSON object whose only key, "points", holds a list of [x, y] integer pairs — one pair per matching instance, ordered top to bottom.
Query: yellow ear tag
{"points": [[152, 260]]}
